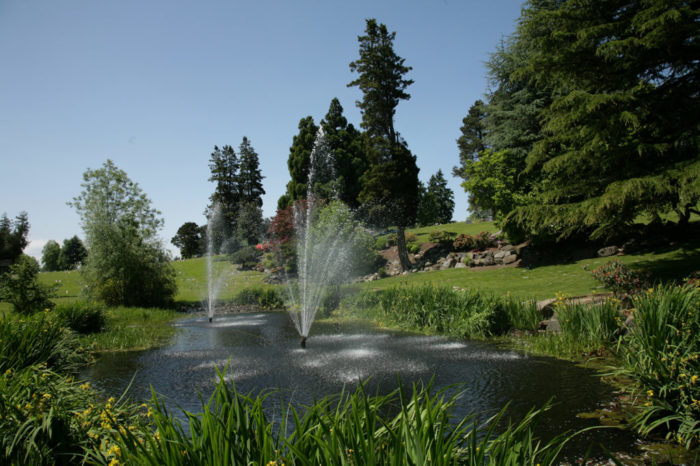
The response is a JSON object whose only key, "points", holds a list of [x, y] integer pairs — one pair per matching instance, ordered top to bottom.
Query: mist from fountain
{"points": [[322, 247], [214, 280]]}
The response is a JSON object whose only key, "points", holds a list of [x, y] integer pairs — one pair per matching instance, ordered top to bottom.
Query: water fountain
{"points": [[323, 242], [214, 281]]}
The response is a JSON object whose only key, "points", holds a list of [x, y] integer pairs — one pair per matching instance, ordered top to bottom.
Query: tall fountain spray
{"points": [[322, 244], [214, 280]]}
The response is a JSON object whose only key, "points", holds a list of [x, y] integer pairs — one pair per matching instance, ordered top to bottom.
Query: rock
{"points": [[508, 247], [608, 251], [499, 255], [510, 259], [448, 263], [460, 265]]}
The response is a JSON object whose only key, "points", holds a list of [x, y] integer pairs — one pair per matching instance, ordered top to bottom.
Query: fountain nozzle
{"points": [[210, 318], [303, 342]]}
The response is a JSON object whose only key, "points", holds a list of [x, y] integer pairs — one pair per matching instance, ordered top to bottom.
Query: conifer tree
{"points": [[298, 162], [224, 167], [390, 184]]}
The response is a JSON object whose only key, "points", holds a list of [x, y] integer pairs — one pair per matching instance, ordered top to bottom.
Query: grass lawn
{"points": [[423, 233], [543, 282]]}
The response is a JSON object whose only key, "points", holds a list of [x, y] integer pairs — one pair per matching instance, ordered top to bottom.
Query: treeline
{"points": [[590, 122]]}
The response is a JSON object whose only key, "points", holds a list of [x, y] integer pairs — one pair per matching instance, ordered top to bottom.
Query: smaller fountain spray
{"points": [[214, 282]]}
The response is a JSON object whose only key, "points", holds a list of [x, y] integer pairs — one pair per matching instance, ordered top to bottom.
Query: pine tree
{"points": [[346, 144], [298, 162], [224, 167], [390, 184], [250, 221]]}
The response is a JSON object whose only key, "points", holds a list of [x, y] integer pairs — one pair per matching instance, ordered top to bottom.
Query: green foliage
{"points": [[620, 133], [249, 221], [250, 228], [13, 239], [189, 239], [381, 243], [413, 248], [50, 255], [247, 257], [127, 263], [620, 279], [20, 287], [263, 297], [441, 309], [82, 316], [593, 325], [37, 340], [662, 353], [407, 426]]}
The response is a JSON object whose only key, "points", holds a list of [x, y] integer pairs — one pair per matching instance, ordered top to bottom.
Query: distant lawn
{"points": [[423, 233], [190, 275], [543, 282]]}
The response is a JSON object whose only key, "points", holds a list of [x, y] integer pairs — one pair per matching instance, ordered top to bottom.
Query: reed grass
{"points": [[413, 426]]}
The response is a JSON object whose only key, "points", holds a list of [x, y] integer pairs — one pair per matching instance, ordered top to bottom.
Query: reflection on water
{"points": [[262, 351]]}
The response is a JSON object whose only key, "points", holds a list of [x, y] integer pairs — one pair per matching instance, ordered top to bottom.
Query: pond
{"points": [[263, 351]]}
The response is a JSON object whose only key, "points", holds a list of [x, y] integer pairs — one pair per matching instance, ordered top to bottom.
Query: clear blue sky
{"points": [[154, 85]]}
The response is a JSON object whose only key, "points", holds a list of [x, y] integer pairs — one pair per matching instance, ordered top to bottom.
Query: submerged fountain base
{"points": [[303, 342]]}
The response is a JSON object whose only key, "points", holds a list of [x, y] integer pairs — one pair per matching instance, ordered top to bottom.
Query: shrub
{"points": [[442, 237], [483, 240], [464, 242], [381, 243], [413, 248], [246, 257], [620, 279], [21, 288], [264, 297], [82, 316], [37, 340], [662, 353]]}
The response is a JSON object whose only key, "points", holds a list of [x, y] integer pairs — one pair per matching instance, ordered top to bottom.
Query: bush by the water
{"points": [[620, 279], [20, 287], [264, 297], [460, 313], [82, 316], [35, 340], [662, 353]]}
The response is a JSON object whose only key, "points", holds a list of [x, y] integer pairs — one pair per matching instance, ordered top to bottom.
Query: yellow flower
{"points": [[694, 378], [85, 386], [650, 392], [114, 462]]}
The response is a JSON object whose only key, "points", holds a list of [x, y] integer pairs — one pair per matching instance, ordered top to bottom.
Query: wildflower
{"points": [[694, 378], [85, 386], [650, 392], [114, 450], [114, 462]]}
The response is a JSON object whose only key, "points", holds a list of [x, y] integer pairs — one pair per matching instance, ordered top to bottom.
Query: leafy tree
{"points": [[621, 133], [345, 142], [298, 162], [224, 167], [390, 184], [13, 239], [189, 239], [73, 253], [50, 256], [126, 263], [21, 287]]}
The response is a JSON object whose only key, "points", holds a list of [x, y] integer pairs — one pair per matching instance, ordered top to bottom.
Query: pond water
{"points": [[263, 351]]}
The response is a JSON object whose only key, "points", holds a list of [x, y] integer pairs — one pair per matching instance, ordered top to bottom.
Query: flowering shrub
{"points": [[442, 236], [466, 242], [620, 279]]}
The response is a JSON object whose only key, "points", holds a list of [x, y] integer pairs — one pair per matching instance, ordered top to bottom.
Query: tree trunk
{"points": [[403, 251]]}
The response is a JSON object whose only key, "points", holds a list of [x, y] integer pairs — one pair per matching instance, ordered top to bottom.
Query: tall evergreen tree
{"points": [[621, 134], [346, 144], [298, 162], [224, 167], [250, 178], [390, 184], [444, 197], [13, 239]]}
